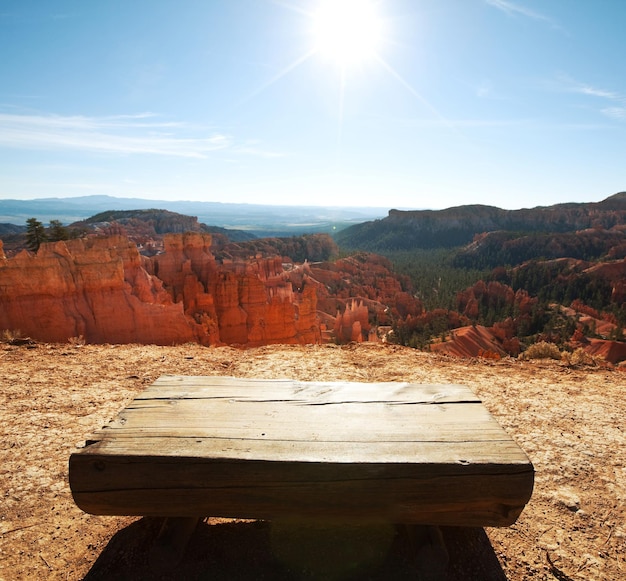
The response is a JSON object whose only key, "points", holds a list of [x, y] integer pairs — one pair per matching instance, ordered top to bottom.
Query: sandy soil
{"points": [[570, 422]]}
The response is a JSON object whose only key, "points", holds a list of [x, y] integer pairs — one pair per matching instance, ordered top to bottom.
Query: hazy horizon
{"points": [[183, 200], [382, 208]]}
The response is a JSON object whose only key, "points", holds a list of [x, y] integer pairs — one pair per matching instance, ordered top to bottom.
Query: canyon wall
{"points": [[94, 288], [103, 290]]}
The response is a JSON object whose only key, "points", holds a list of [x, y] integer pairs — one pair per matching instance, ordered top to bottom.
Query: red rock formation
{"points": [[614, 272], [366, 280], [96, 288], [104, 290], [246, 302], [352, 323], [598, 326], [308, 327], [505, 331], [472, 341], [611, 351]]}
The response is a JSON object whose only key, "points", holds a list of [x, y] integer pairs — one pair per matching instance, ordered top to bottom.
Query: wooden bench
{"points": [[275, 449]]}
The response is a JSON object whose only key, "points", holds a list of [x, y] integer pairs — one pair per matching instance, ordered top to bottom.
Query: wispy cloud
{"points": [[516, 9], [595, 92], [617, 107], [618, 113], [142, 133]]}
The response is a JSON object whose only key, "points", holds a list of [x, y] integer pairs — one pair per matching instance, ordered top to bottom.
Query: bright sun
{"points": [[347, 32]]}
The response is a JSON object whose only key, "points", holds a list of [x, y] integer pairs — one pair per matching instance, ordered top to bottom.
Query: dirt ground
{"points": [[570, 422]]}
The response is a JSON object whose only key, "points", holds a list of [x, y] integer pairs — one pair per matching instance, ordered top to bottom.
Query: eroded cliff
{"points": [[103, 290]]}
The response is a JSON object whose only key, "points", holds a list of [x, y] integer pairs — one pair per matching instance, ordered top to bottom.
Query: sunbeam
{"points": [[278, 76], [409, 87]]}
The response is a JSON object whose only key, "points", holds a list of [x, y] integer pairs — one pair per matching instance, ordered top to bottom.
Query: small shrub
{"points": [[9, 335], [15, 337], [76, 341], [542, 350], [580, 357]]}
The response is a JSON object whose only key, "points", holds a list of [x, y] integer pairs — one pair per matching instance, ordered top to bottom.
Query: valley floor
{"points": [[570, 422]]}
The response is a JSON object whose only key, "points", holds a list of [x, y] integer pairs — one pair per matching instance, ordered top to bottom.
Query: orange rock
{"points": [[184, 254], [95, 288], [104, 290], [239, 302], [350, 324], [308, 326], [472, 341], [611, 351]]}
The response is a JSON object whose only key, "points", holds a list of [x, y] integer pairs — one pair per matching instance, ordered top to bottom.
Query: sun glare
{"points": [[347, 32]]}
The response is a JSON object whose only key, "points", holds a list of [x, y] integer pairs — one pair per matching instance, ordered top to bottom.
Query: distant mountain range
{"points": [[258, 219], [363, 228], [407, 230]]}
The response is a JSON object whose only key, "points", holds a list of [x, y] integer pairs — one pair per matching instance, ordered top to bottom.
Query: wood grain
{"points": [[221, 446]]}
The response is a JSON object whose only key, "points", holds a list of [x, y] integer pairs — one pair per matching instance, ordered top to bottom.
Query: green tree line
{"points": [[37, 234]]}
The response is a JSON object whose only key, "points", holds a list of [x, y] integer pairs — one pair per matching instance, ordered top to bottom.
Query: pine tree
{"points": [[58, 231], [35, 234]]}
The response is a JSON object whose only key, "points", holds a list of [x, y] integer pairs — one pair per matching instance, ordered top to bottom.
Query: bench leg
{"points": [[170, 544], [429, 550]]}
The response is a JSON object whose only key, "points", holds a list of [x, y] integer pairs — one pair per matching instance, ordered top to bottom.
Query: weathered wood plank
{"points": [[216, 387], [226, 407], [233, 409], [286, 420], [252, 434], [395, 452], [491, 453], [102, 472], [272, 490]]}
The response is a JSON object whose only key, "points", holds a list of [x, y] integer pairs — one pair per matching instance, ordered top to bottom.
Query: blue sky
{"points": [[512, 103]]}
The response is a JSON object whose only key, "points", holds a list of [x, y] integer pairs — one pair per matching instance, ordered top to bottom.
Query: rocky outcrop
{"points": [[614, 272], [93, 288], [103, 290], [364, 292], [247, 302], [353, 323], [471, 341], [479, 341], [611, 351]]}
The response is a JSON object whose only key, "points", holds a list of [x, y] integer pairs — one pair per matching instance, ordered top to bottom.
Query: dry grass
{"points": [[542, 350]]}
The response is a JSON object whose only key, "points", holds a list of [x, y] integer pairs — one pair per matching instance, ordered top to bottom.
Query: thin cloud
{"points": [[514, 9], [595, 92], [617, 109], [618, 113], [79, 122], [142, 133]]}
